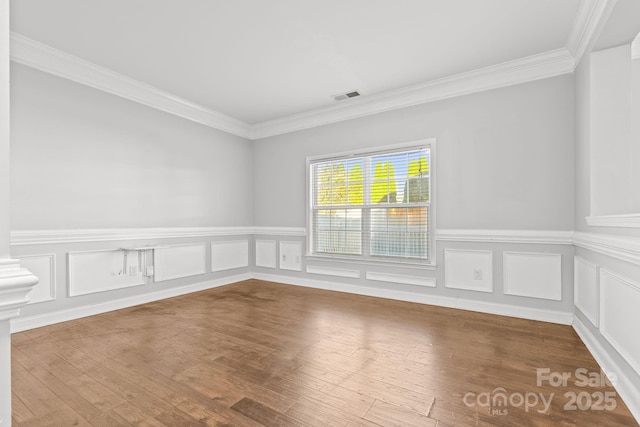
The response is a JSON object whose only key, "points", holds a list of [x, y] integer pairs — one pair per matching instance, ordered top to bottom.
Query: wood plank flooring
{"points": [[263, 354]]}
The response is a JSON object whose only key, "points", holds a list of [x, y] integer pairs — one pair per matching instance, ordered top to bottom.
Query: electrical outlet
{"points": [[477, 274]]}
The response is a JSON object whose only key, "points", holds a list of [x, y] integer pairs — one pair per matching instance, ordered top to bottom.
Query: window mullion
{"points": [[366, 209]]}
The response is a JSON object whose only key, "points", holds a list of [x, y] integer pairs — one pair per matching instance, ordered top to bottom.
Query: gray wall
{"points": [[582, 144], [82, 158], [504, 158]]}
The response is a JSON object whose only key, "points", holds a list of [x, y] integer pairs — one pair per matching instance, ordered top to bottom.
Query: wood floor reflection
{"points": [[263, 354]]}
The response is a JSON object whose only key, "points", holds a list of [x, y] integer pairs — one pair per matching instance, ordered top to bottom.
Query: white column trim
{"points": [[15, 285]]}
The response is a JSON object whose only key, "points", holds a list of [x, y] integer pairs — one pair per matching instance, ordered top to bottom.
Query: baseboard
{"points": [[560, 317], [23, 323], [628, 391]]}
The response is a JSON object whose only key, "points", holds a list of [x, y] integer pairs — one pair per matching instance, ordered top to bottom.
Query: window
{"points": [[374, 205]]}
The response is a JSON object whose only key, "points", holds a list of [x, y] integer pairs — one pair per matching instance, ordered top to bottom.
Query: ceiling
{"points": [[260, 61]]}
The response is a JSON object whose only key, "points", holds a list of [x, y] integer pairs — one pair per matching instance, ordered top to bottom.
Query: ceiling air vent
{"points": [[347, 95]]}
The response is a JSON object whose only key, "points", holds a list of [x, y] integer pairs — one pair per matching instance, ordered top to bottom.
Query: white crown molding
{"points": [[591, 17], [635, 47], [53, 61], [544, 65], [625, 220], [550, 237], [619, 247], [15, 285]]}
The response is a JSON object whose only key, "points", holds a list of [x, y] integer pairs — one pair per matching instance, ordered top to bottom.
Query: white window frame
{"points": [[363, 259]]}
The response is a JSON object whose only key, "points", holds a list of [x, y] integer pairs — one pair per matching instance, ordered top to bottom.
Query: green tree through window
{"points": [[417, 187], [383, 189]]}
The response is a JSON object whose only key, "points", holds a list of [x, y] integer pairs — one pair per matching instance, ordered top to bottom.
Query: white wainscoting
{"points": [[624, 248], [266, 253], [229, 255], [291, 256], [178, 261], [44, 267], [468, 269], [97, 271], [338, 272], [535, 275], [401, 279], [586, 292], [620, 316]]}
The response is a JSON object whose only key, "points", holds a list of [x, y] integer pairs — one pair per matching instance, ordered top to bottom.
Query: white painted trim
{"points": [[591, 17], [588, 23], [635, 47], [50, 60], [53, 61], [530, 68], [625, 220], [279, 231], [45, 237], [543, 237], [619, 247], [624, 248], [296, 249], [157, 255], [72, 259], [271, 260], [242, 262], [338, 272], [52, 275], [506, 280], [429, 282], [487, 282], [15, 284], [544, 315], [594, 318], [37, 321], [633, 362], [628, 390]]}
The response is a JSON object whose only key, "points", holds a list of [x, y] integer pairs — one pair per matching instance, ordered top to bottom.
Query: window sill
{"points": [[417, 265]]}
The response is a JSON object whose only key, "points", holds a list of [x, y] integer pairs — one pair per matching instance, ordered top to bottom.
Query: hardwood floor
{"points": [[265, 354]]}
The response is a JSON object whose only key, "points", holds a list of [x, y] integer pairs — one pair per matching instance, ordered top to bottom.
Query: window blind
{"points": [[375, 205]]}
